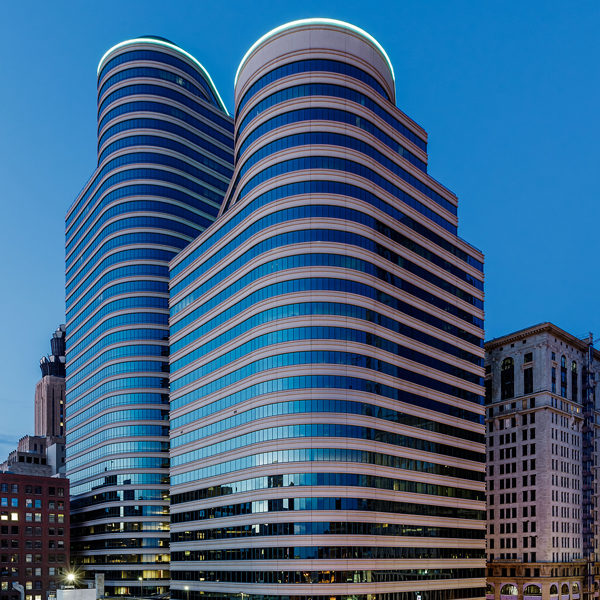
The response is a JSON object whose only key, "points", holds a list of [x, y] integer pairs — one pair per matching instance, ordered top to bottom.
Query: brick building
{"points": [[34, 534]]}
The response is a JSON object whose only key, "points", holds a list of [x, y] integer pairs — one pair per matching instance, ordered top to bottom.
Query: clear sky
{"points": [[508, 91]]}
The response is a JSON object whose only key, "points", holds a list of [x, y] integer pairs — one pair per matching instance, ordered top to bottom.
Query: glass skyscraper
{"points": [[165, 144], [327, 348]]}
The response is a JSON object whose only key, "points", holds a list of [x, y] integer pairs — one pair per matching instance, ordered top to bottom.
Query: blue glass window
{"points": [[162, 57], [304, 66], [151, 73], [338, 91], [349, 117], [345, 141], [339, 164], [324, 187], [342, 261], [316, 357], [279, 384], [325, 405]]}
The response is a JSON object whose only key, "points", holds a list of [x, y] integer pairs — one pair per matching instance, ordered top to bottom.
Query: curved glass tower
{"points": [[165, 146], [326, 348]]}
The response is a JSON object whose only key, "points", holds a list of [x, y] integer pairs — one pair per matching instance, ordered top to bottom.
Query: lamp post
{"points": [[71, 578], [141, 580], [187, 592]]}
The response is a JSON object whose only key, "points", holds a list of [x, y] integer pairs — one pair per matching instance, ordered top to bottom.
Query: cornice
{"points": [[545, 327]]}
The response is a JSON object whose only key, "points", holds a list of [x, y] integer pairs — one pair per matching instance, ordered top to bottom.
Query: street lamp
{"points": [[71, 579], [141, 580], [187, 592]]}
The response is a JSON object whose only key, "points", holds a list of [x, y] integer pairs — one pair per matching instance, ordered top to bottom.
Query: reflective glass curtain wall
{"points": [[165, 146], [326, 349]]}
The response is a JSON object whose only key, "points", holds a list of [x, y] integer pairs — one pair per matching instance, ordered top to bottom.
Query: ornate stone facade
{"points": [[541, 450]]}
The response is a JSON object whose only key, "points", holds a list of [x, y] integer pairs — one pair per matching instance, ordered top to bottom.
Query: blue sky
{"points": [[508, 92]]}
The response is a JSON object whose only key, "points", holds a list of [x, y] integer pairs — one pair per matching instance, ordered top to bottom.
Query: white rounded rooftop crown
{"points": [[313, 35], [168, 45]]}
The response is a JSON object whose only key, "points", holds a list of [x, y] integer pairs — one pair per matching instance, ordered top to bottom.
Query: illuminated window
{"points": [[509, 590], [533, 590]]}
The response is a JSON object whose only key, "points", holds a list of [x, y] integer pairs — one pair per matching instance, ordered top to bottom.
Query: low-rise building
{"points": [[37, 455], [34, 534]]}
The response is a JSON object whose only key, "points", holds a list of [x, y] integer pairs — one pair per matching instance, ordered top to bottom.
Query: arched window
{"points": [[563, 376], [507, 379], [574, 382], [489, 588], [575, 588], [509, 589], [532, 590], [554, 590], [564, 590]]}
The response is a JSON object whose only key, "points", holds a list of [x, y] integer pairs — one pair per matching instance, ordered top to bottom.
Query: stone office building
{"points": [[50, 389], [541, 487]]}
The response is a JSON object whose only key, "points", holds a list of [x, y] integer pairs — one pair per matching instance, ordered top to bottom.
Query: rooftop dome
{"points": [[316, 21]]}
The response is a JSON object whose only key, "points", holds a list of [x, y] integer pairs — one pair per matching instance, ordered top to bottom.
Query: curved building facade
{"points": [[165, 144], [327, 348]]}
